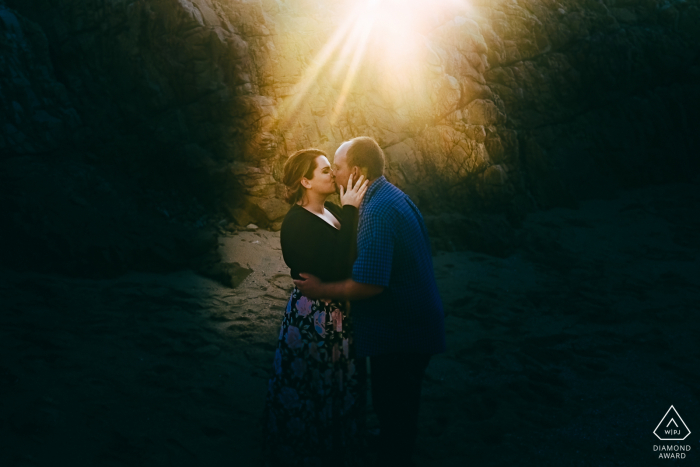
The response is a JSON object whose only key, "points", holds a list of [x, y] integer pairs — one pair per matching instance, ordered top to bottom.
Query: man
{"points": [[397, 312]]}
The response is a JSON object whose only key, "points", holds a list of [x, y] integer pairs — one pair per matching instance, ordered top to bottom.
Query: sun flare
{"points": [[391, 36]]}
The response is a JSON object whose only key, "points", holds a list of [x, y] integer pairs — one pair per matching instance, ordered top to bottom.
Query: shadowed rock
{"points": [[228, 274]]}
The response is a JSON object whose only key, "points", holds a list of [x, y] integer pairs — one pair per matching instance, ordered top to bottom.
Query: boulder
{"points": [[484, 112], [267, 210]]}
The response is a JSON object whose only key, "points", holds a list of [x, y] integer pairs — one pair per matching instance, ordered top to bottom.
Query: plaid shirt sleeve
{"points": [[375, 249]]}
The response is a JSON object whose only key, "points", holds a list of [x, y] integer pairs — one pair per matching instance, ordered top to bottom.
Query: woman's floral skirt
{"points": [[315, 409]]}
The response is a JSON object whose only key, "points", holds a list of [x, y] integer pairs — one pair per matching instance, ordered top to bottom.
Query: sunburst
{"points": [[392, 31]]}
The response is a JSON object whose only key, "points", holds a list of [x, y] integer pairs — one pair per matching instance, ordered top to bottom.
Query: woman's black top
{"points": [[311, 245]]}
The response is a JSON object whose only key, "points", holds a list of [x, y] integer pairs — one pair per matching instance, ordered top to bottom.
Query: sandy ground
{"points": [[568, 352]]}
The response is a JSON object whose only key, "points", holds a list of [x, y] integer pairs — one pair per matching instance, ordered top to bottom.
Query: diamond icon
{"points": [[672, 427]]}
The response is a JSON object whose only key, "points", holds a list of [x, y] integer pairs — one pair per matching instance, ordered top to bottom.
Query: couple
{"points": [[364, 287]]}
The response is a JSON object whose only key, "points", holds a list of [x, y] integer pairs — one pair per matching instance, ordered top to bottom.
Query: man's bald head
{"points": [[364, 152]]}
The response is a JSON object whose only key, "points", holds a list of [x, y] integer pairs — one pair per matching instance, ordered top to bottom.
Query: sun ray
{"points": [[396, 30], [350, 45], [352, 71], [312, 73]]}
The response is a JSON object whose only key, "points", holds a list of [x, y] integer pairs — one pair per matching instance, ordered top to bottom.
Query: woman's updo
{"points": [[299, 165]]}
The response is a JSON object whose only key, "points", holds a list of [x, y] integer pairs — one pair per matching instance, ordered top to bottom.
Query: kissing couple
{"points": [[364, 287]]}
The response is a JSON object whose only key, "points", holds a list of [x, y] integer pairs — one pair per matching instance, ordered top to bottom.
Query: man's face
{"points": [[340, 163]]}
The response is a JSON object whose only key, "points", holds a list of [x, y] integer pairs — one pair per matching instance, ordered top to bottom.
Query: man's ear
{"points": [[361, 171]]}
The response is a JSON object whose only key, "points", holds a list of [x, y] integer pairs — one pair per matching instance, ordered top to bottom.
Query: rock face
{"points": [[124, 123]]}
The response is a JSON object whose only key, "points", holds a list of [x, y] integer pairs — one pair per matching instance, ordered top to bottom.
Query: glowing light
{"points": [[387, 35], [352, 71]]}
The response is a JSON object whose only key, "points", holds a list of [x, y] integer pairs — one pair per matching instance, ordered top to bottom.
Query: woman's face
{"points": [[323, 181]]}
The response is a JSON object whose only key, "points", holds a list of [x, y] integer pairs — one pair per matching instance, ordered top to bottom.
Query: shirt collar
{"points": [[373, 188]]}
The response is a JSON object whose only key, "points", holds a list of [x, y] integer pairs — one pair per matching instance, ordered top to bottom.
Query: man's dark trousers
{"points": [[396, 389]]}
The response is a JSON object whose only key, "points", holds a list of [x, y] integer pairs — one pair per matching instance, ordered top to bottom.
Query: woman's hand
{"points": [[354, 194]]}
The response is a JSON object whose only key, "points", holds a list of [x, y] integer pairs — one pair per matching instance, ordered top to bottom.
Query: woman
{"points": [[315, 405]]}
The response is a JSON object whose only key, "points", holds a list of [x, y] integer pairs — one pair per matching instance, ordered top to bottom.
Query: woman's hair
{"points": [[299, 165]]}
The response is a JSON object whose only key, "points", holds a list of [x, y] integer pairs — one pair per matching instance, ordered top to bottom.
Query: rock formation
{"points": [[132, 130]]}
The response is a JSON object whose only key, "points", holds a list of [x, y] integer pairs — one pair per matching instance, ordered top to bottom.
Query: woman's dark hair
{"points": [[364, 151], [299, 165]]}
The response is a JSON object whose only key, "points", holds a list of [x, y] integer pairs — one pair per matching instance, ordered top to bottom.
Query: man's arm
{"points": [[348, 289]]}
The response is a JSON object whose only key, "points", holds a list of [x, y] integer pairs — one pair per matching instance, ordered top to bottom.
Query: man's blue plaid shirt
{"points": [[393, 251]]}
